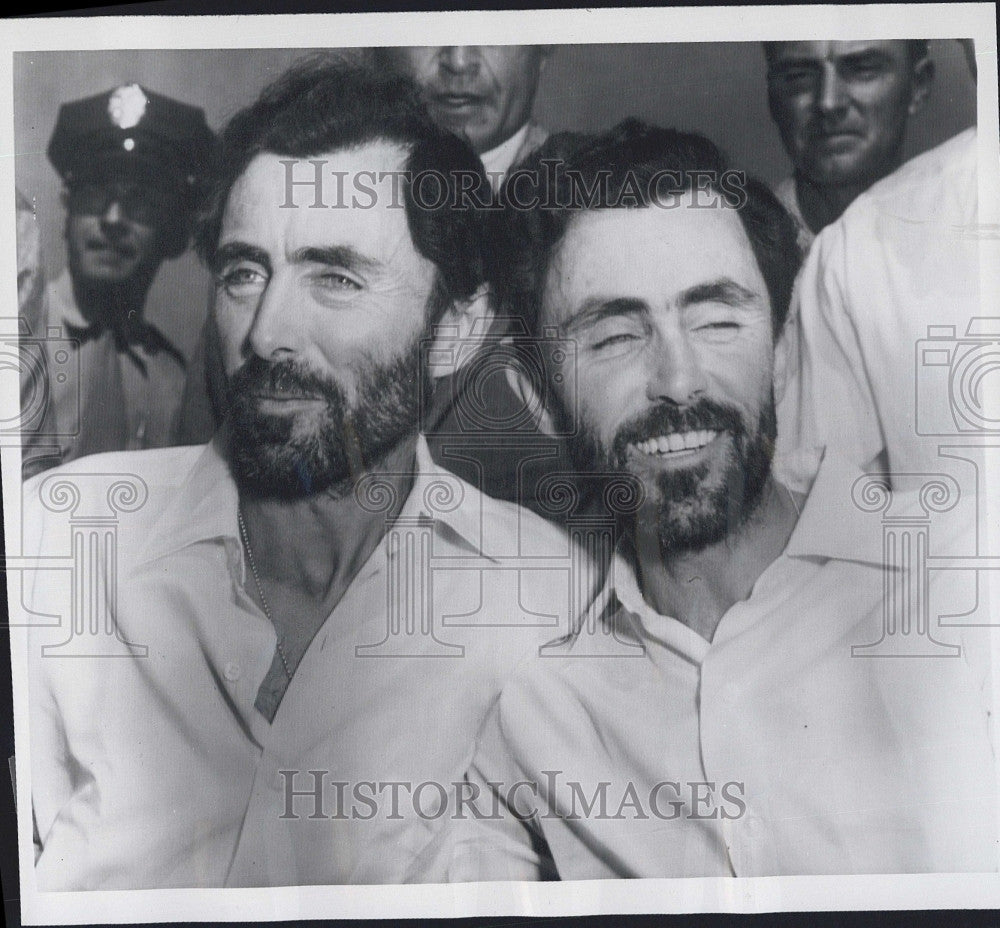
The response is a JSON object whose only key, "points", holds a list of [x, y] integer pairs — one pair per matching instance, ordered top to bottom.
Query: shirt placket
{"points": [[266, 852]]}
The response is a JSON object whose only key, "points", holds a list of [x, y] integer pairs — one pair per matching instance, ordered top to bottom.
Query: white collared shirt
{"points": [[498, 161], [884, 356], [774, 749], [157, 770]]}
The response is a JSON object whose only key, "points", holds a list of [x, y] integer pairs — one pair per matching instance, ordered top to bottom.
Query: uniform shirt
{"points": [[906, 255], [103, 400], [772, 750], [157, 770]]}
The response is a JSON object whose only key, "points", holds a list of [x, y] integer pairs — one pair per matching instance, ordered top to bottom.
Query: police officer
{"points": [[130, 160]]}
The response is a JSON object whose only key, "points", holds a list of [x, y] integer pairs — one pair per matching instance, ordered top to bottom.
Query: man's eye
{"points": [[864, 71], [796, 77], [334, 280], [241, 281], [719, 331], [612, 341]]}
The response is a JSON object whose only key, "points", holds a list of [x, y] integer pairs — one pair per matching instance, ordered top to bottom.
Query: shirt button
{"points": [[232, 671]]}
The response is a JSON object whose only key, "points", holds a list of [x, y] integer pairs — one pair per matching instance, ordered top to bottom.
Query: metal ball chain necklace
{"points": [[260, 589]]}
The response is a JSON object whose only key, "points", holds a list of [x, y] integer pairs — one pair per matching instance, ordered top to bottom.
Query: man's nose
{"points": [[459, 59], [832, 93], [113, 215], [272, 334], [674, 371]]}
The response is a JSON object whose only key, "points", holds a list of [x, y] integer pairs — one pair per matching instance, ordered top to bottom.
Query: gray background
{"points": [[715, 88]]}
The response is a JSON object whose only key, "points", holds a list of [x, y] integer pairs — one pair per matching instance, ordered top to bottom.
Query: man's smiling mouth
{"points": [[674, 443]]}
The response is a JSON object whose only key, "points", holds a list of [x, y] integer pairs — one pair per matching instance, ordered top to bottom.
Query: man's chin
{"points": [[107, 273], [287, 472]]}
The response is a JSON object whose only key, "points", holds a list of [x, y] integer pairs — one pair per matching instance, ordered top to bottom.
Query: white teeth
{"points": [[675, 441]]}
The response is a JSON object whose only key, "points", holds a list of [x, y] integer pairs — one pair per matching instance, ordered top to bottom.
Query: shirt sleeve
{"points": [[828, 398], [491, 832]]}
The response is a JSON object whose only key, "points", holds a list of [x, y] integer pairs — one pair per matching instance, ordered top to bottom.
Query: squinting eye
{"points": [[865, 72], [798, 78], [719, 331], [613, 340]]}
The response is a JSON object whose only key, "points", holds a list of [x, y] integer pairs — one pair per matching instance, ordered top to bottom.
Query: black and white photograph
{"points": [[558, 476]]}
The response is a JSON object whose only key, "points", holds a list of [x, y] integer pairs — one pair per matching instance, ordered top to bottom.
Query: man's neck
{"points": [[822, 205], [111, 303], [315, 546], [698, 588]]}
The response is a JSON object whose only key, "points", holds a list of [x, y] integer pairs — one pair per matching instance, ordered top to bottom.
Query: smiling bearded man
{"points": [[711, 717]]}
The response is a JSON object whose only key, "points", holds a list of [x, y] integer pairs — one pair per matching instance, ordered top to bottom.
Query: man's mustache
{"points": [[280, 379], [666, 418]]}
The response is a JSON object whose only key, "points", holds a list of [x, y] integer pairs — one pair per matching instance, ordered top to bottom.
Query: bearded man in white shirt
{"points": [[284, 693], [722, 712]]}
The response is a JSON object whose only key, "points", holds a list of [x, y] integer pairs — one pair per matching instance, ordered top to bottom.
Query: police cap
{"points": [[128, 129]]}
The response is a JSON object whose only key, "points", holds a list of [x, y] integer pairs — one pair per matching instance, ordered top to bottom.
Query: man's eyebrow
{"points": [[866, 56], [792, 61], [240, 251], [335, 256], [723, 290], [597, 309]]}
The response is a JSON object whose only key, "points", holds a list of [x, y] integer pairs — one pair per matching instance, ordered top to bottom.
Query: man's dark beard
{"points": [[268, 461], [690, 516]]}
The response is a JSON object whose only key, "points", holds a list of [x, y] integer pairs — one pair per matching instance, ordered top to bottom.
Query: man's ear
{"points": [[923, 77], [459, 333], [528, 395]]}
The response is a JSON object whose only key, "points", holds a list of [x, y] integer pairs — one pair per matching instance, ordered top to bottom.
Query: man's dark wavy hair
{"points": [[324, 104], [633, 157]]}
